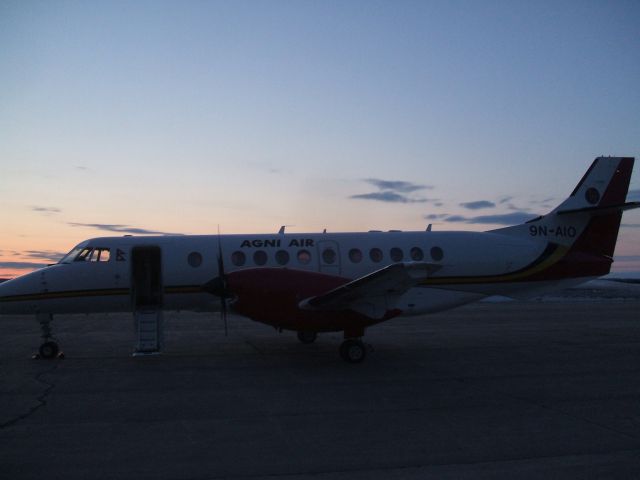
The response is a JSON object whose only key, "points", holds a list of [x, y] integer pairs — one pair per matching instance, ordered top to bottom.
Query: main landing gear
{"points": [[49, 349], [353, 350]]}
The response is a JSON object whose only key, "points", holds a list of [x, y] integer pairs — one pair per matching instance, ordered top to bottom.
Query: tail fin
{"points": [[605, 185], [585, 226]]}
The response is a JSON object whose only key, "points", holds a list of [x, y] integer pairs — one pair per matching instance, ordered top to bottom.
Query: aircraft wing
{"points": [[374, 294]]}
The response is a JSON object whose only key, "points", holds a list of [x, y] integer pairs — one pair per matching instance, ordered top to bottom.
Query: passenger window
{"points": [[375, 254], [396, 254], [417, 254], [437, 254], [355, 255], [329, 256], [260, 257], [282, 257], [304, 257], [238, 258], [194, 259]]}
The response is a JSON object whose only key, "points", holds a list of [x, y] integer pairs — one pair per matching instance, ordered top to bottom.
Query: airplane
{"points": [[326, 282]]}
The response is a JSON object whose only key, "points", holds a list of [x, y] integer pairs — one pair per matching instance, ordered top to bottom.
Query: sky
{"points": [[193, 116]]}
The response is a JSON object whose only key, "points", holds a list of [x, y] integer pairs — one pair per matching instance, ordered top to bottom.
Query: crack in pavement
{"points": [[42, 398]]}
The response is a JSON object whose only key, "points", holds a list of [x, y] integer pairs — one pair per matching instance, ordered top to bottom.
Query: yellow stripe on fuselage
{"points": [[539, 265]]}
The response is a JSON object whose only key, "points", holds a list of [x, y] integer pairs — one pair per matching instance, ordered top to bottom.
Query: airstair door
{"points": [[146, 292]]}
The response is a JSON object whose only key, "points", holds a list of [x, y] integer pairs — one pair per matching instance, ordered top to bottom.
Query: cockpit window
{"points": [[87, 254], [84, 255], [100, 255], [69, 257]]}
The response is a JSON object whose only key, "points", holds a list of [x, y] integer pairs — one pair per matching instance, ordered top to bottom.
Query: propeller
{"points": [[219, 286], [223, 290]]}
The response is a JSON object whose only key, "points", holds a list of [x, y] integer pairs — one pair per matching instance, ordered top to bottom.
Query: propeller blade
{"points": [[223, 282], [224, 316]]}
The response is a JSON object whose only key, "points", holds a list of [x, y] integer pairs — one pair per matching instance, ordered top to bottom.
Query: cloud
{"points": [[268, 167], [396, 185], [393, 191], [633, 195], [387, 196], [505, 199], [478, 204], [45, 210], [436, 216], [456, 218], [512, 218], [630, 225], [120, 228], [48, 255], [22, 265]]}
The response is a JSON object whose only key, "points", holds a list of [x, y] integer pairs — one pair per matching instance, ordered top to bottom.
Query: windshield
{"points": [[87, 254], [68, 258]]}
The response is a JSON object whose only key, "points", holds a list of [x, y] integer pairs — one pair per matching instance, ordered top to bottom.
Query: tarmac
{"points": [[492, 390]]}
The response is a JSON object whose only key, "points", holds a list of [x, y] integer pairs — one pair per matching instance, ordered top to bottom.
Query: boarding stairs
{"points": [[149, 328]]}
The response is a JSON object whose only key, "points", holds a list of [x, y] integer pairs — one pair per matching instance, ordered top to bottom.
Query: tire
{"points": [[49, 349], [353, 351]]}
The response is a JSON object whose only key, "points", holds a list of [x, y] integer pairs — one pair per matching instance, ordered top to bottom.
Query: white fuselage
{"points": [[188, 262]]}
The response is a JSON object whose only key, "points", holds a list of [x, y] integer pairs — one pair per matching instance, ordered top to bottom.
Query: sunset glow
{"points": [[159, 117]]}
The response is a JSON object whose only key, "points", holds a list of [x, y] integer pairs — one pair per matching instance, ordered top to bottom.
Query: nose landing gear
{"points": [[49, 349]]}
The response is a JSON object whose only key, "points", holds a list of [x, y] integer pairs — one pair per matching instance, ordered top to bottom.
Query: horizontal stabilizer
{"points": [[602, 210], [394, 280]]}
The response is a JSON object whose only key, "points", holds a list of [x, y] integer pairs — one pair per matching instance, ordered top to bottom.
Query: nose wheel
{"points": [[49, 349]]}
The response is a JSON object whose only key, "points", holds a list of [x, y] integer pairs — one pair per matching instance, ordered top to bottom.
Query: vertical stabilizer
{"points": [[605, 184], [585, 226]]}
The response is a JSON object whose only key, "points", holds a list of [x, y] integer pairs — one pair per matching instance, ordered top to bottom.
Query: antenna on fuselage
{"points": [[429, 227], [281, 231]]}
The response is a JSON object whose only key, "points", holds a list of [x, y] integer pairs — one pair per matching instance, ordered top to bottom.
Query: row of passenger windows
{"points": [[282, 257], [330, 257]]}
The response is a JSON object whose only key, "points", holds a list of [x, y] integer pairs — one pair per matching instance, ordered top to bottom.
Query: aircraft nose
{"points": [[16, 294], [2, 295]]}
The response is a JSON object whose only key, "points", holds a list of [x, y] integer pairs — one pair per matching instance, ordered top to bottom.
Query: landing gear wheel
{"points": [[307, 337], [49, 349], [353, 351]]}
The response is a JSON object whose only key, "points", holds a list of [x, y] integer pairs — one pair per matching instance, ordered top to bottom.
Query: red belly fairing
{"points": [[273, 295]]}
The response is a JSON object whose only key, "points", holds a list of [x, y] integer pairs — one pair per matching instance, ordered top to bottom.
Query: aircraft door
{"points": [[329, 255], [146, 278]]}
